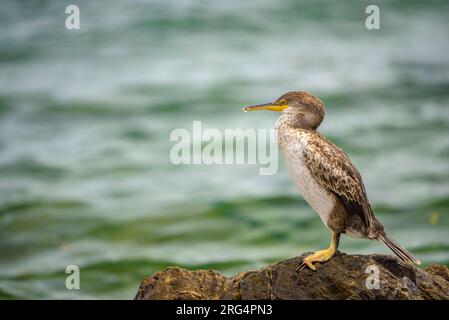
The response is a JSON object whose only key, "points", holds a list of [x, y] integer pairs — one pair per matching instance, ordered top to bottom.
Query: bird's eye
{"points": [[283, 102]]}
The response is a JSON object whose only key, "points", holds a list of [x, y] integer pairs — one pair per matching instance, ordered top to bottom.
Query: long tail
{"points": [[400, 251]]}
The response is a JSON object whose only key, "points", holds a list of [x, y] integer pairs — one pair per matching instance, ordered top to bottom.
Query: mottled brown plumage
{"points": [[333, 170], [325, 175]]}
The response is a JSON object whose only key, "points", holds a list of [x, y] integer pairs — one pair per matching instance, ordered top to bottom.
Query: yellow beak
{"points": [[266, 106]]}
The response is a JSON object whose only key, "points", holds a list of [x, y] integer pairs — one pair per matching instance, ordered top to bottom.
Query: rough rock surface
{"points": [[343, 277]]}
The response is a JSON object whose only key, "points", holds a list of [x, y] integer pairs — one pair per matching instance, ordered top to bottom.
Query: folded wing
{"points": [[333, 170]]}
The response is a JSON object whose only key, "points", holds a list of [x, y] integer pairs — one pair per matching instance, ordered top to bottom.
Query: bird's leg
{"points": [[322, 255]]}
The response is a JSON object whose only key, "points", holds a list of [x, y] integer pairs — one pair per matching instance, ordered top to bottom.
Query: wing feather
{"points": [[333, 169]]}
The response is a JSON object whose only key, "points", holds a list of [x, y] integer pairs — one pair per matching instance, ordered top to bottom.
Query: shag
{"points": [[325, 176]]}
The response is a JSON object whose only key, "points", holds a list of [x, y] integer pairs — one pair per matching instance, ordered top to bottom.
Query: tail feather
{"points": [[400, 251]]}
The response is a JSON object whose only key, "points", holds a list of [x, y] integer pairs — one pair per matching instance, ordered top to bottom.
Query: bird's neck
{"points": [[298, 121]]}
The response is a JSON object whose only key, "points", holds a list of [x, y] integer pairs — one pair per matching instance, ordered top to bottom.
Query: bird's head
{"points": [[301, 109]]}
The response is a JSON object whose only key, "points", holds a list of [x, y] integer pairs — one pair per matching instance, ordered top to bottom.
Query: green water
{"points": [[85, 119]]}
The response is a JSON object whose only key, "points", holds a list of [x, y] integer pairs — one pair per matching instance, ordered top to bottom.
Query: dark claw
{"points": [[301, 266]]}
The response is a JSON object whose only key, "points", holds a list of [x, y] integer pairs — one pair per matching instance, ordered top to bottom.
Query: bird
{"points": [[325, 176]]}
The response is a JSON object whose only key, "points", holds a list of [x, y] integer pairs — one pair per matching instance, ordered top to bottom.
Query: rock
{"points": [[343, 277]]}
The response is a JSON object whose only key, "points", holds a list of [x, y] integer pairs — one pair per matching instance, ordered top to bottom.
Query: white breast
{"points": [[316, 196]]}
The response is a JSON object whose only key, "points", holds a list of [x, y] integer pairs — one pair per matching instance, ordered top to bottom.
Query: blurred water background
{"points": [[85, 119]]}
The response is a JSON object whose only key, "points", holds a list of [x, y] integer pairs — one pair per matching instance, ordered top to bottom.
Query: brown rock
{"points": [[343, 277]]}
